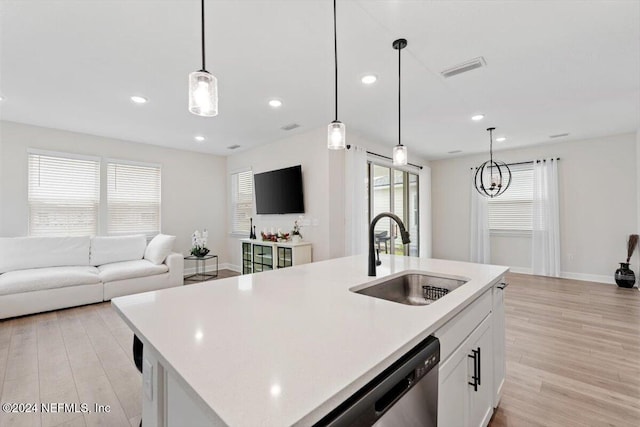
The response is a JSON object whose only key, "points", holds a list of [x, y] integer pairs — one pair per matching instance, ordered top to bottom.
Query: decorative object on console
{"points": [[203, 86], [336, 138], [400, 155], [492, 177], [252, 230], [295, 233], [268, 236], [199, 242], [625, 278]]}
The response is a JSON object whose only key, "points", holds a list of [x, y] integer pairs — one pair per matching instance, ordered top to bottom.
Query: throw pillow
{"points": [[159, 248]]}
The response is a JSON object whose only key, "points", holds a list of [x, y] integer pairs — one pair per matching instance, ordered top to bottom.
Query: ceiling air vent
{"points": [[472, 64], [290, 126], [560, 135], [233, 147], [454, 152]]}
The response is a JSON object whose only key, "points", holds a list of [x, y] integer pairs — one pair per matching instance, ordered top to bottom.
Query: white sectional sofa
{"points": [[47, 273]]}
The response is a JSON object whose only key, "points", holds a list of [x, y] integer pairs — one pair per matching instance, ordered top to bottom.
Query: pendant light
{"points": [[203, 86], [337, 132], [400, 155], [492, 177]]}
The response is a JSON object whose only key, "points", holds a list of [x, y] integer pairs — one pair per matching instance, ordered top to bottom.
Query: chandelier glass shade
{"points": [[203, 86], [336, 131], [400, 155], [493, 177]]}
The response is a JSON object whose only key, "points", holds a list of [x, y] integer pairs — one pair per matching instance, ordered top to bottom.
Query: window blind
{"points": [[63, 195], [133, 198], [241, 201], [512, 211]]}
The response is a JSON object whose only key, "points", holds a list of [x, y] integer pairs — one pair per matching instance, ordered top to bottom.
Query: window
{"points": [[395, 191], [63, 194], [133, 198], [241, 201], [511, 212]]}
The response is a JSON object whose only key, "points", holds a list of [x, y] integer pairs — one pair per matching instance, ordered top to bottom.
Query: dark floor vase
{"points": [[624, 276]]}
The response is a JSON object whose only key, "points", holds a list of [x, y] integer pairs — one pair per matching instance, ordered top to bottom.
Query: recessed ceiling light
{"points": [[369, 79], [1, 98], [139, 99], [275, 103], [477, 117], [199, 138], [501, 139]]}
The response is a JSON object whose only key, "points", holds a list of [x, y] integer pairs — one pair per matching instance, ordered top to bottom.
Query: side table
{"points": [[201, 268]]}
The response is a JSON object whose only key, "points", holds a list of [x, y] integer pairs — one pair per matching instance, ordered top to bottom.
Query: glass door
{"points": [[396, 191]]}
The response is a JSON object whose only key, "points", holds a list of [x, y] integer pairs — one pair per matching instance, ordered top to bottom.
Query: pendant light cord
{"points": [[202, 19], [335, 53], [399, 97], [491, 145]]}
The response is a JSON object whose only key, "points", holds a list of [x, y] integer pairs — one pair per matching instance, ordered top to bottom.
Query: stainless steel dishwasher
{"points": [[403, 395]]}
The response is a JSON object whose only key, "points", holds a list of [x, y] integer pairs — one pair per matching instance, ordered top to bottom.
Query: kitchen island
{"points": [[285, 347]]}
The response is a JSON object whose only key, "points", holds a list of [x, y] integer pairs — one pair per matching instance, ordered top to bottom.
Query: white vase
{"points": [[296, 238]]}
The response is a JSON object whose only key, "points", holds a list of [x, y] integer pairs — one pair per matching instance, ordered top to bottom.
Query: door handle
{"points": [[502, 285], [479, 368], [476, 370]]}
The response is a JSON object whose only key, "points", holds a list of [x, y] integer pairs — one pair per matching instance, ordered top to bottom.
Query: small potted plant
{"points": [[296, 236], [199, 242], [625, 278]]}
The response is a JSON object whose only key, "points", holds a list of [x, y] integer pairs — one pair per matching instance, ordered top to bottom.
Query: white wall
{"points": [[309, 150], [193, 184], [324, 188], [598, 206]]}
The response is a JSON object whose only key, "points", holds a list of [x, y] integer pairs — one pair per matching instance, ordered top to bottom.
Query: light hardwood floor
{"points": [[573, 354], [573, 359]]}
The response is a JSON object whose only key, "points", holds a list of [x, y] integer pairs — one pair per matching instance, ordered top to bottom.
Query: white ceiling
{"points": [[552, 67]]}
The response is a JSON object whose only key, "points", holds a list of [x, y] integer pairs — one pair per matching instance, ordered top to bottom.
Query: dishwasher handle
{"points": [[390, 397], [373, 400]]}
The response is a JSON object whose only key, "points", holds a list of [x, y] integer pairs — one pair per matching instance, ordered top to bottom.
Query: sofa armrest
{"points": [[175, 262]]}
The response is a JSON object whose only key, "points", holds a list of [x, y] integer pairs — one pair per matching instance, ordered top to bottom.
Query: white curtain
{"points": [[424, 184], [356, 201], [480, 248], [545, 250]]}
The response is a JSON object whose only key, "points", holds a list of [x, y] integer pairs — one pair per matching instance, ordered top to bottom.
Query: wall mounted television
{"points": [[279, 191]]}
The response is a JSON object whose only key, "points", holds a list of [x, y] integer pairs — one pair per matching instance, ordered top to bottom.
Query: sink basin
{"points": [[412, 288]]}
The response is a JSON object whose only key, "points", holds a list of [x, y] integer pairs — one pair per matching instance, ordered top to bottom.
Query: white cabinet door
{"points": [[499, 359], [481, 372], [452, 390], [460, 403]]}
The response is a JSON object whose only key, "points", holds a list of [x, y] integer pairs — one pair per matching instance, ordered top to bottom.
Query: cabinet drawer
{"points": [[454, 332]]}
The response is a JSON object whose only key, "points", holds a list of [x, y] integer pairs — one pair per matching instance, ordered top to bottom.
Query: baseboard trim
{"points": [[597, 278]]}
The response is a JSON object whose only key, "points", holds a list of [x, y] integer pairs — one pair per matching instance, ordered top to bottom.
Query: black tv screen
{"points": [[279, 191]]}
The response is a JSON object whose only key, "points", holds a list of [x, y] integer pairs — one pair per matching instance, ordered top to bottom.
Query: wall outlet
{"points": [[570, 257]]}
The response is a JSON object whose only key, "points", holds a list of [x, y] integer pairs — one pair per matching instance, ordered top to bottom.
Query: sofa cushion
{"points": [[159, 248], [108, 249], [22, 253], [130, 270], [37, 279]]}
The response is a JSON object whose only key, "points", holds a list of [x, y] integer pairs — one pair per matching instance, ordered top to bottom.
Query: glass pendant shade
{"points": [[203, 94], [337, 136], [400, 155]]}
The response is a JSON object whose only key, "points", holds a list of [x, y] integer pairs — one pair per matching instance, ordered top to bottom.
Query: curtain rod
{"points": [[386, 157], [530, 162]]}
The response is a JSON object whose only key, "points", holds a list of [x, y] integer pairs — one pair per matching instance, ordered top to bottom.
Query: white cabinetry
{"points": [[499, 342], [471, 371]]}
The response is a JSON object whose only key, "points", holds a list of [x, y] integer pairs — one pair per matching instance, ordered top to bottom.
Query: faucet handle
{"points": [[378, 262]]}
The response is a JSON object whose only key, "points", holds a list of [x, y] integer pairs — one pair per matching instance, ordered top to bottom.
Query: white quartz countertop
{"points": [[285, 347]]}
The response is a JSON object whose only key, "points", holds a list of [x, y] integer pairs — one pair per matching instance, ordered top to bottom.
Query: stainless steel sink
{"points": [[412, 288]]}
